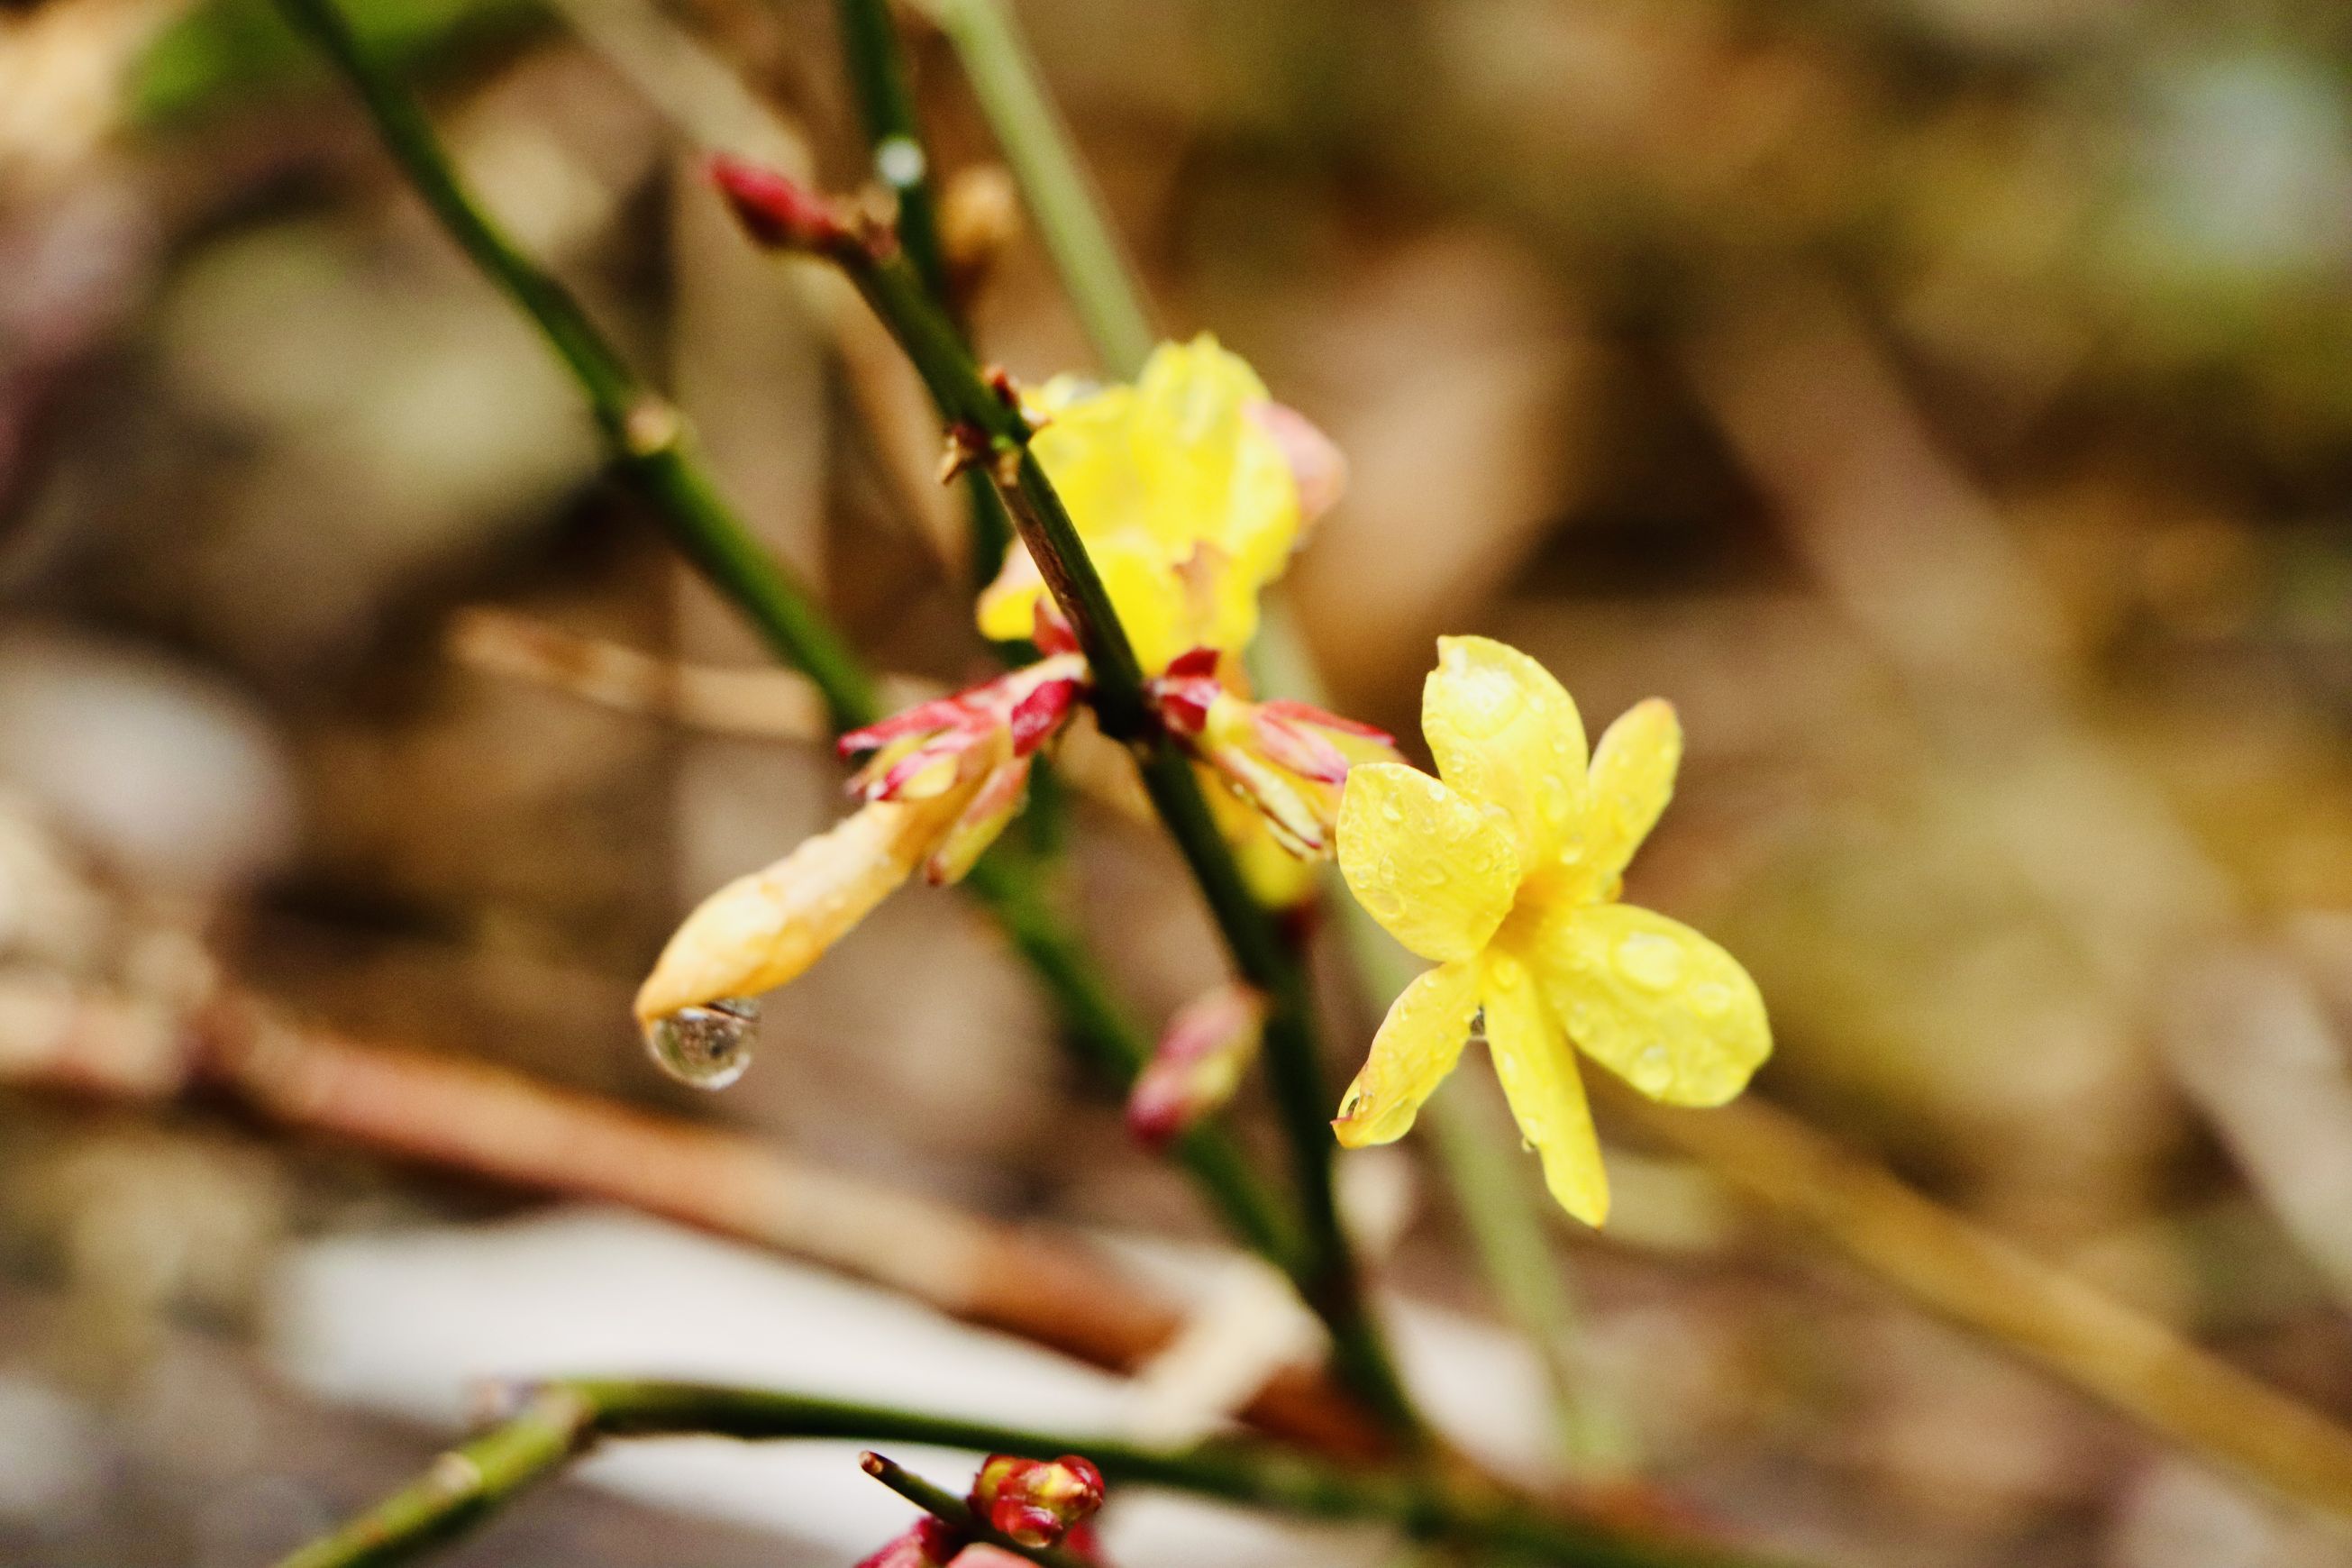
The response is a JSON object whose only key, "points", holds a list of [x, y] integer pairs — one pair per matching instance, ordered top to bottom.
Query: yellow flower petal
{"points": [[1185, 503], [1008, 607], [1504, 733], [1633, 778], [1433, 868], [1279, 879], [760, 930], [1653, 1001], [1419, 1042], [1539, 1078]]}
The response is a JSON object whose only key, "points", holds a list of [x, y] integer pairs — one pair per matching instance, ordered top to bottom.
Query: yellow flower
{"points": [[1182, 488], [1506, 873]]}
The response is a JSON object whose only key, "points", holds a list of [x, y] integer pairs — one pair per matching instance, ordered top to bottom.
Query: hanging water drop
{"points": [[1646, 958], [707, 1047]]}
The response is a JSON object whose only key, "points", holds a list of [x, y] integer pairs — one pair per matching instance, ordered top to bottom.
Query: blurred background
{"points": [[1943, 402]]}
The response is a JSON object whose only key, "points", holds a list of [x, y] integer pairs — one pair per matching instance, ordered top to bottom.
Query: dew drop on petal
{"points": [[1554, 803], [1391, 812], [1649, 960], [1712, 999], [707, 1047], [1653, 1073]]}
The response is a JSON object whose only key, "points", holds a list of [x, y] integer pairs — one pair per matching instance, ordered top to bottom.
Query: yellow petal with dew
{"points": [[1507, 734], [1632, 780], [1435, 871], [762, 929], [1653, 1001], [1417, 1045], [1541, 1080]]}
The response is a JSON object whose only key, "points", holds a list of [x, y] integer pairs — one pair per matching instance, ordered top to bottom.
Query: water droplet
{"points": [[899, 161], [1553, 802], [1391, 812], [1432, 876], [1645, 958], [1506, 972], [1712, 999], [707, 1047], [1652, 1071], [1526, 1146]]}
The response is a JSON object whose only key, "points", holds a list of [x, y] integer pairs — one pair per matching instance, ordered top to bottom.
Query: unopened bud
{"points": [[779, 212], [1199, 1064], [1036, 1501], [928, 1542]]}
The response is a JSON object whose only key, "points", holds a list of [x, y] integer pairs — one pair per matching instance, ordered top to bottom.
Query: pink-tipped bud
{"points": [[782, 213], [1318, 468], [928, 749], [1287, 760], [1199, 1064], [1036, 1501], [928, 1542]]}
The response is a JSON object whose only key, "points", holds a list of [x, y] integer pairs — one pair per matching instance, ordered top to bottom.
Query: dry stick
{"points": [[648, 441], [504, 1126], [1967, 1274], [556, 1421]]}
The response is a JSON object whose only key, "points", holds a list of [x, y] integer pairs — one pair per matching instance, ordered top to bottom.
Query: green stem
{"points": [[886, 103], [902, 163], [1060, 199], [997, 433], [646, 436], [646, 439], [1249, 1211], [1513, 1247], [558, 1420], [945, 1506]]}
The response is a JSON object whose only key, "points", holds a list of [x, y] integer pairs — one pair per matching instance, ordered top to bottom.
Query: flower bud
{"points": [[782, 213], [989, 734], [1287, 758], [1199, 1061], [1036, 1501], [928, 1542]]}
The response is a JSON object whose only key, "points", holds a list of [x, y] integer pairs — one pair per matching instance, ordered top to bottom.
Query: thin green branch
{"points": [[885, 104], [902, 163], [1060, 199], [994, 435], [647, 440], [1513, 1246], [558, 1420], [948, 1508]]}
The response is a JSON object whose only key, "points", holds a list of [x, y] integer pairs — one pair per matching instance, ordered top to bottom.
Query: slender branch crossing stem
{"points": [[902, 163], [1060, 199], [648, 441], [556, 1421], [944, 1505]]}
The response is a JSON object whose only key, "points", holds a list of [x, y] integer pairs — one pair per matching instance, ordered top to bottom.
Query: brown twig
{"points": [[751, 703], [503, 1127], [1974, 1277]]}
